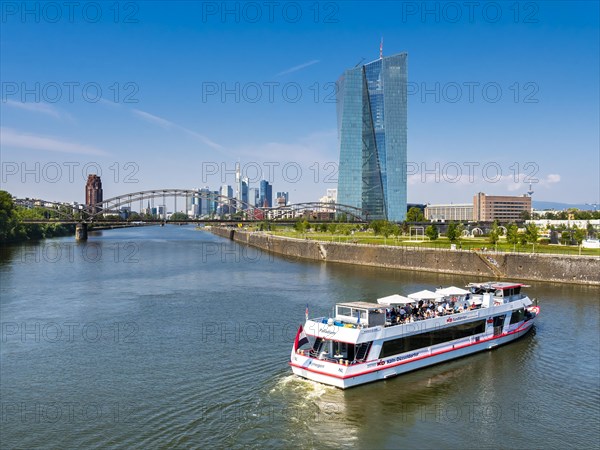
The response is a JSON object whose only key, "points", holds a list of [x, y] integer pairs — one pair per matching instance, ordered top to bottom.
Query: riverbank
{"points": [[514, 266]]}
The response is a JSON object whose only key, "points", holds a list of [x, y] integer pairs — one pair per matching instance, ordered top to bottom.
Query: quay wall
{"points": [[514, 266]]}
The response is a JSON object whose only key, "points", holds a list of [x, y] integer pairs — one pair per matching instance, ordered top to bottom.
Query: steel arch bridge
{"points": [[244, 210]]}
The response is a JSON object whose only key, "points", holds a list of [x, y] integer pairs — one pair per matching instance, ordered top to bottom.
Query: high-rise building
{"points": [[372, 115], [245, 188], [93, 193], [265, 195], [253, 196], [285, 196], [329, 197], [204, 201], [213, 203], [224, 206], [503, 208]]}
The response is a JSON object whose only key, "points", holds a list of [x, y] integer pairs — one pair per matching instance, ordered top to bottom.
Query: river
{"points": [[170, 336]]}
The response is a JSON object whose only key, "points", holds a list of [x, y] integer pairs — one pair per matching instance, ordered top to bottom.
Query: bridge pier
{"points": [[81, 232]]}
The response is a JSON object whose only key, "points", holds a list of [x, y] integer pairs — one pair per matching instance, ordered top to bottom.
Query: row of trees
{"points": [[566, 215], [302, 226], [12, 228], [453, 233], [513, 236]]}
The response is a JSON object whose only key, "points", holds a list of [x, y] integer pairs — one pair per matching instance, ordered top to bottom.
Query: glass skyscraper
{"points": [[371, 110]]}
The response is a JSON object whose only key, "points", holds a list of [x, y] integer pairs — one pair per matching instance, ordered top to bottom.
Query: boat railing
{"points": [[339, 323], [316, 355]]}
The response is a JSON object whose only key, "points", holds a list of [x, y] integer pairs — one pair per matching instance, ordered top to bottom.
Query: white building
{"points": [[449, 212]]}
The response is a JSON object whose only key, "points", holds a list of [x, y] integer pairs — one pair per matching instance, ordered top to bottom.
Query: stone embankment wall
{"points": [[514, 266]]}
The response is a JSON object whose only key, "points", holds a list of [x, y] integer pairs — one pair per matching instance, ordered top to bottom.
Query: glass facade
{"points": [[372, 116], [265, 194]]}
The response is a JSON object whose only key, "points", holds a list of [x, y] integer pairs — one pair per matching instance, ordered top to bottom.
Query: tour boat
{"points": [[367, 341]]}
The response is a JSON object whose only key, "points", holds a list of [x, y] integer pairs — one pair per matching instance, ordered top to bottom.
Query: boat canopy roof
{"points": [[497, 285], [452, 290], [425, 295], [395, 299], [361, 305]]}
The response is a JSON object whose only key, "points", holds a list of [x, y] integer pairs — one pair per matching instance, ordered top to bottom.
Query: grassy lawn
{"points": [[367, 237]]}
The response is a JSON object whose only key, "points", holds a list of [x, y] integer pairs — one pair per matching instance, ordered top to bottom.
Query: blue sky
{"points": [[159, 95]]}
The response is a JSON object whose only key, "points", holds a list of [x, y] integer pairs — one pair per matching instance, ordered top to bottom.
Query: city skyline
{"points": [[489, 115]]}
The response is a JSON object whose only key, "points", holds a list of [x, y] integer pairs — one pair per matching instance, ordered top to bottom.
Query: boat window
{"points": [[498, 293], [344, 311], [363, 314], [517, 316], [421, 340], [317, 345]]}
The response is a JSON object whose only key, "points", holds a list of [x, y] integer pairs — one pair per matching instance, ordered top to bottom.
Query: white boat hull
{"points": [[345, 377]]}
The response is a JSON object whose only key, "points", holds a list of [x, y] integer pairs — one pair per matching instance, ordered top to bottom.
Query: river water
{"points": [[172, 337]]}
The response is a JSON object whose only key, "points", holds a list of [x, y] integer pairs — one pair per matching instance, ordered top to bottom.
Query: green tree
{"points": [[414, 214], [583, 215], [178, 216], [300, 225], [10, 226], [377, 226], [405, 227], [332, 228], [345, 229], [386, 229], [591, 231], [432, 232], [453, 232], [531, 233], [512, 234], [494, 235], [578, 235], [565, 237]]}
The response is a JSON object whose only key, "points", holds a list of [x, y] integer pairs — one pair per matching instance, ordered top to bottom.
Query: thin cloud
{"points": [[299, 67], [42, 108], [168, 125], [13, 138], [314, 147]]}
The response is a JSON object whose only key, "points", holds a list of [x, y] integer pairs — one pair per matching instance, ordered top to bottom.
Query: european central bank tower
{"points": [[371, 110]]}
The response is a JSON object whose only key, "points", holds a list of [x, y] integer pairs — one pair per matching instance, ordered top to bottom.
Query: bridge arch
{"points": [[114, 205]]}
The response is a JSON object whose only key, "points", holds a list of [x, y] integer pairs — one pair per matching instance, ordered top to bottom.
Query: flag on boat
{"points": [[306, 312], [301, 338]]}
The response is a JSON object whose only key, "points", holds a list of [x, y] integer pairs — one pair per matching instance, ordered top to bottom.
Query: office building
{"points": [[372, 115], [93, 193], [282, 195], [253, 196], [265, 199], [224, 203], [503, 208], [449, 212]]}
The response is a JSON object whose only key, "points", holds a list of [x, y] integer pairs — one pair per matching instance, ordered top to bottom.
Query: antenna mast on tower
{"points": [[381, 49], [530, 191]]}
